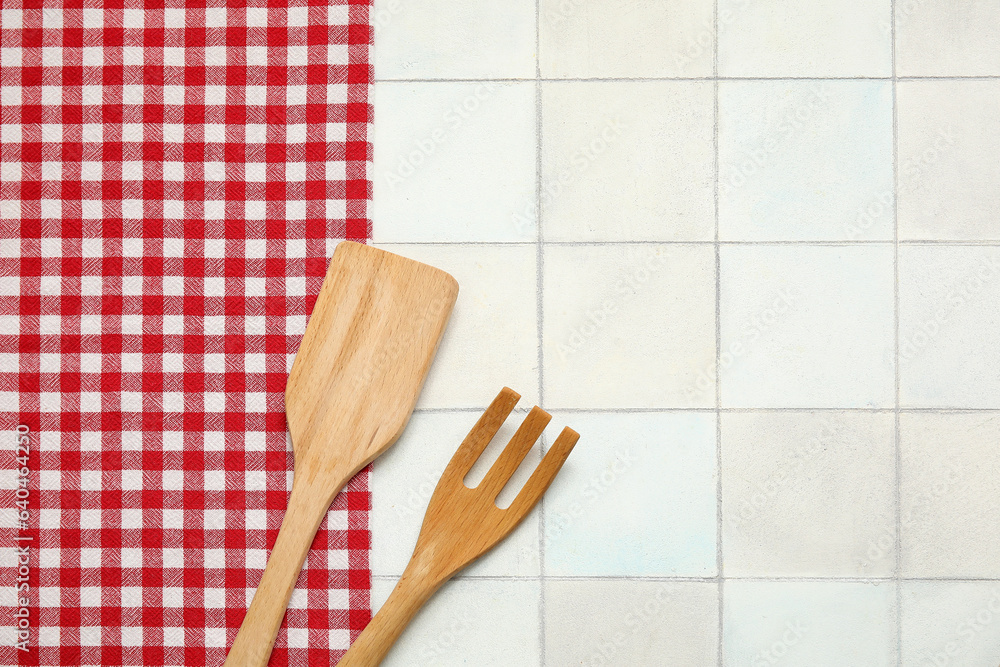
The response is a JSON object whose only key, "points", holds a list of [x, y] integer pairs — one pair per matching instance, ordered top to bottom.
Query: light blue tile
{"points": [[805, 160], [453, 162], [807, 326], [405, 477], [636, 498], [486, 623], [819, 624]]}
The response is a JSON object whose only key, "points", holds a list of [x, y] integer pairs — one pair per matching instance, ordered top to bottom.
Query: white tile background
{"points": [[750, 249]]}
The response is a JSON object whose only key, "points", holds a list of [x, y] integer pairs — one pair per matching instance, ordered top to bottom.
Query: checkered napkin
{"points": [[173, 182]]}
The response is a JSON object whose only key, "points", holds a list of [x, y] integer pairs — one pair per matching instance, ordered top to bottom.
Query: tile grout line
{"points": [[891, 77], [833, 243], [895, 268], [539, 317], [889, 410], [705, 580], [720, 583]]}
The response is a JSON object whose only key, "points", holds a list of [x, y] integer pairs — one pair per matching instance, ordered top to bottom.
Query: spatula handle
{"points": [[255, 639], [374, 642]]}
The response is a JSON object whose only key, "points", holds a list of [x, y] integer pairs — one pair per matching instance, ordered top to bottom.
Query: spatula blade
{"points": [[369, 343]]}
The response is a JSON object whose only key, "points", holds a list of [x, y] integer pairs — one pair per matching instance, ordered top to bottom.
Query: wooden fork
{"points": [[462, 524]]}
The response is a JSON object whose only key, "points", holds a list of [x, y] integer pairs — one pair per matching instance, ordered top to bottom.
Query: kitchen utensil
{"points": [[373, 332], [462, 524]]}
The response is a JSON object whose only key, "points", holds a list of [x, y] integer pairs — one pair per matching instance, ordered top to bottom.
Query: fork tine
{"points": [[480, 435], [515, 451], [543, 476]]}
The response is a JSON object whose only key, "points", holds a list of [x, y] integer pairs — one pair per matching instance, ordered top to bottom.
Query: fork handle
{"points": [[255, 639], [374, 642]]}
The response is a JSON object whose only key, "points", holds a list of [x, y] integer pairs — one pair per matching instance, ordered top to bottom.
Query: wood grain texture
{"points": [[367, 348], [461, 524]]}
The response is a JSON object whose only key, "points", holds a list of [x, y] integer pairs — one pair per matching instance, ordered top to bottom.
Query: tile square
{"points": [[805, 38], [947, 38], [430, 39], [609, 39], [949, 137], [805, 160], [628, 161], [454, 162], [628, 326], [807, 326], [949, 326], [492, 338], [404, 478], [950, 482], [808, 494], [638, 497], [599, 622], [487, 623], [953, 623], [820, 624]]}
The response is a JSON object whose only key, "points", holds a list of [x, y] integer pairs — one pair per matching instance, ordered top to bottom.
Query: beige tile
{"points": [[580, 38], [807, 38], [947, 38], [430, 39], [949, 137], [628, 161], [628, 326], [949, 327], [492, 338], [950, 483], [808, 494], [594, 622], [952, 623]]}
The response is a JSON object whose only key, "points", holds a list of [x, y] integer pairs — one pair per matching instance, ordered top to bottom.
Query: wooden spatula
{"points": [[366, 351], [462, 524]]}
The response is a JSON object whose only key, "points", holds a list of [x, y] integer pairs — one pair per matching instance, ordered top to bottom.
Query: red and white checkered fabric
{"points": [[174, 178]]}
